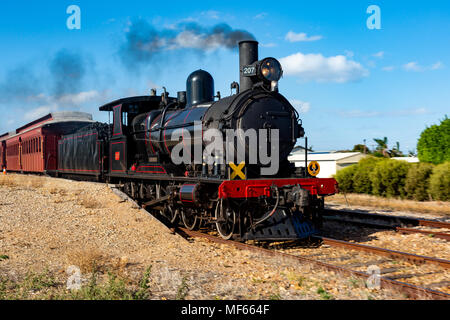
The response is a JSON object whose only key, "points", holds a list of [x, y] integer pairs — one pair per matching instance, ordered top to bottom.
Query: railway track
{"points": [[384, 219], [399, 224], [410, 290]]}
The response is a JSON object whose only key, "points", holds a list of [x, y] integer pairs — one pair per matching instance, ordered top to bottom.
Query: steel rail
{"points": [[399, 221], [441, 235], [385, 252], [413, 291]]}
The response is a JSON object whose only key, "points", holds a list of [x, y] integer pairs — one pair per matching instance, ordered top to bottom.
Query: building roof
{"points": [[323, 156], [407, 159]]}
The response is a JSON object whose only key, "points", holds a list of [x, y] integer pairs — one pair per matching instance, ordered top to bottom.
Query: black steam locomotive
{"points": [[156, 150]]}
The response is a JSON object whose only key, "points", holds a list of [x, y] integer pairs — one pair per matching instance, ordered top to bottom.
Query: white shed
{"points": [[329, 162]]}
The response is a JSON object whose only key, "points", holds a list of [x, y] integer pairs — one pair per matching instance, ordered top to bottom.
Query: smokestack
{"points": [[248, 53]]}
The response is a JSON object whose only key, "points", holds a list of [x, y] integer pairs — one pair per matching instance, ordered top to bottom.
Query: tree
{"points": [[434, 143], [382, 147], [360, 148], [395, 151]]}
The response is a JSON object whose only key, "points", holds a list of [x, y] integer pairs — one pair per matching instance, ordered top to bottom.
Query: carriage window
{"points": [[124, 119], [39, 145]]}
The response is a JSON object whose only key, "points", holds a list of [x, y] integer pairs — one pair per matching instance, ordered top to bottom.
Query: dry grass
{"points": [[15, 180], [7, 181], [35, 182], [57, 191], [89, 203], [436, 207], [88, 259], [92, 259]]}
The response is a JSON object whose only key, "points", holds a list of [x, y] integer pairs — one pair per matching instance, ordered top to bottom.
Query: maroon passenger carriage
{"points": [[33, 147]]}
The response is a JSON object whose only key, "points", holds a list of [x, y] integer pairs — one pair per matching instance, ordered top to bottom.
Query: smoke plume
{"points": [[144, 43], [67, 70]]}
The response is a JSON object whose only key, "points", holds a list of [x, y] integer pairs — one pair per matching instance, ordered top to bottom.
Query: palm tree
{"points": [[382, 146], [395, 152]]}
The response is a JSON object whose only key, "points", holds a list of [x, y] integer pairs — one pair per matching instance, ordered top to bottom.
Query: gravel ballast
{"points": [[51, 224]]}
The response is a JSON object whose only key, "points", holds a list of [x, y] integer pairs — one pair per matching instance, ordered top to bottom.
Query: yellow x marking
{"points": [[237, 170]]}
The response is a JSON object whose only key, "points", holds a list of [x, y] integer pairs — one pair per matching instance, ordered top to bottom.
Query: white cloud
{"points": [[212, 14], [261, 15], [297, 37], [268, 45], [349, 53], [379, 54], [437, 65], [412, 66], [416, 67], [318, 68], [388, 68], [81, 97], [69, 99], [47, 104], [300, 106], [39, 112], [394, 113]]}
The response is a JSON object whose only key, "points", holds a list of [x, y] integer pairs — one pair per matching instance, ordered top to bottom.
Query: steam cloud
{"points": [[144, 43], [67, 70], [18, 84]]}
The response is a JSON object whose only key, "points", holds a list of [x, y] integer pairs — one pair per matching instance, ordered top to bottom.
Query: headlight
{"points": [[270, 69]]}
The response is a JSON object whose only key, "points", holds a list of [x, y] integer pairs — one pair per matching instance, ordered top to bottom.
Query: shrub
{"points": [[434, 143], [345, 178], [361, 178], [388, 178], [417, 181], [439, 187]]}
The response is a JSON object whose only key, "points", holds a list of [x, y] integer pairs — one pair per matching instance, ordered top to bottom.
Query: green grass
{"points": [[3, 257], [355, 282], [44, 286], [114, 288], [183, 290], [324, 295], [275, 296]]}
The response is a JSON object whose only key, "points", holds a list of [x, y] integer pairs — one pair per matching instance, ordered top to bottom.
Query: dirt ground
{"points": [[423, 209], [51, 228]]}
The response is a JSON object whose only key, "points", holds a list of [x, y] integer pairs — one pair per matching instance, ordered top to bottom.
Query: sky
{"points": [[352, 74]]}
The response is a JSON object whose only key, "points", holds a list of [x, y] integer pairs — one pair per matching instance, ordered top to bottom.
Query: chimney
{"points": [[248, 53]]}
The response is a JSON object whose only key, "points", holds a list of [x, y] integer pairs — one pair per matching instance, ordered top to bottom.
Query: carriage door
{"points": [[118, 147], [20, 154]]}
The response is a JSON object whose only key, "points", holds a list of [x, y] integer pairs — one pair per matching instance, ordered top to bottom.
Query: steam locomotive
{"points": [[205, 161]]}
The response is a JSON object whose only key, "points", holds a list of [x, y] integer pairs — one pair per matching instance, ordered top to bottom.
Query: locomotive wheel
{"points": [[171, 214], [189, 218], [225, 220]]}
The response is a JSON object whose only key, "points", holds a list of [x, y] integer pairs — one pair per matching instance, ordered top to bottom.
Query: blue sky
{"points": [[349, 82]]}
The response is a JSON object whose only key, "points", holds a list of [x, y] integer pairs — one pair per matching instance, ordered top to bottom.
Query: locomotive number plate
{"points": [[249, 71]]}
